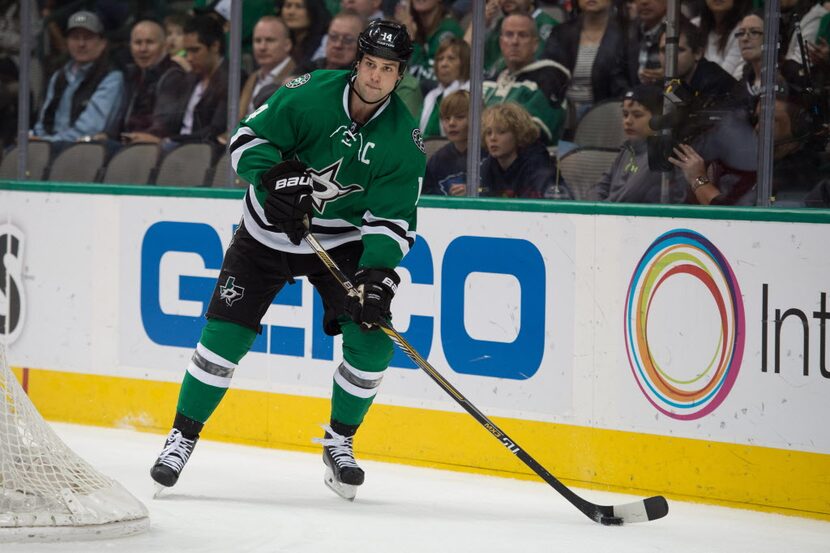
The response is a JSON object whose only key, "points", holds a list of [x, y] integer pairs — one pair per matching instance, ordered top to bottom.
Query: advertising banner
{"points": [[695, 328]]}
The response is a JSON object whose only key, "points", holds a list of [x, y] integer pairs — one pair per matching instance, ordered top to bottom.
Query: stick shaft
{"points": [[485, 421]]}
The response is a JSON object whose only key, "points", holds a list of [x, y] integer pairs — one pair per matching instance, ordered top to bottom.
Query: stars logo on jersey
{"points": [[298, 81], [418, 140], [326, 187], [230, 292]]}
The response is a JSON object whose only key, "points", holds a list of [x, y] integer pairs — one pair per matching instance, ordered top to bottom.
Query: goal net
{"points": [[47, 492]]}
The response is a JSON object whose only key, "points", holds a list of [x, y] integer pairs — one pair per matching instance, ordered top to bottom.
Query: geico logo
{"points": [[292, 181], [518, 357]]}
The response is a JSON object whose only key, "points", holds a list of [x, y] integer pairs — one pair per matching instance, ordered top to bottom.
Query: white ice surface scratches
{"points": [[242, 499]]}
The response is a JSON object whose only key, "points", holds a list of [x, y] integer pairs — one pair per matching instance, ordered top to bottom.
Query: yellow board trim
{"points": [[742, 476]]}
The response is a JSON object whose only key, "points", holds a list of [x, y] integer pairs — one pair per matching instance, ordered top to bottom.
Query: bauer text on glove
{"points": [[288, 205]]}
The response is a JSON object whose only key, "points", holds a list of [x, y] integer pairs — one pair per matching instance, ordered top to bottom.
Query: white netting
{"points": [[46, 490]]}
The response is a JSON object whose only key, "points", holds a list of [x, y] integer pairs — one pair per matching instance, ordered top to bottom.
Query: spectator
{"points": [[367, 10], [252, 12], [494, 13], [810, 14], [719, 20], [308, 21], [429, 23], [174, 33], [750, 35], [644, 42], [341, 43], [272, 49], [592, 49], [452, 69], [706, 79], [153, 85], [538, 86], [84, 96], [205, 115], [800, 159], [517, 164], [446, 172], [730, 178], [630, 179]]}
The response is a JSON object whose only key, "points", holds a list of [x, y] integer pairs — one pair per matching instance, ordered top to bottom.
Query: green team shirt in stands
{"points": [[423, 56], [493, 61], [367, 179]]}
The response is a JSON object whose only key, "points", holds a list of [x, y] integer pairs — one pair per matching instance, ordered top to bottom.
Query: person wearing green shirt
{"points": [[494, 13], [429, 22], [452, 69], [539, 86], [338, 153]]}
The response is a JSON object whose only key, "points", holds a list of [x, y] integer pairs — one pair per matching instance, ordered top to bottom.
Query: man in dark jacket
{"points": [[643, 42], [705, 78], [85, 94], [154, 105], [206, 108]]}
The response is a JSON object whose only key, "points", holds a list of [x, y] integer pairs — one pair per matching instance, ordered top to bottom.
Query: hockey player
{"points": [[338, 150]]}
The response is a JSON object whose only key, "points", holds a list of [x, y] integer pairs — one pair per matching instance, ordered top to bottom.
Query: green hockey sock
{"points": [[365, 357], [211, 368], [198, 400]]}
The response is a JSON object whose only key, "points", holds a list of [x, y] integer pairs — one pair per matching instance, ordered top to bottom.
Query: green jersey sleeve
{"points": [[266, 137], [389, 224]]}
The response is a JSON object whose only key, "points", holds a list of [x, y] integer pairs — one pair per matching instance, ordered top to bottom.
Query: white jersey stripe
{"points": [[236, 155], [370, 218], [279, 241], [402, 243]]}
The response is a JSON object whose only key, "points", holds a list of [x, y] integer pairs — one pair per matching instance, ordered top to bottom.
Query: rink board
{"points": [[621, 347]]}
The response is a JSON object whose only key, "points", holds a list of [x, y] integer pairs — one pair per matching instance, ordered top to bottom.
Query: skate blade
{"points": [[159, 490], [346, 491]]}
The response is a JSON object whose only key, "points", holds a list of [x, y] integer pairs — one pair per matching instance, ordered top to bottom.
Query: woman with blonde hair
{"points": [[452, 69], [518, 164]]}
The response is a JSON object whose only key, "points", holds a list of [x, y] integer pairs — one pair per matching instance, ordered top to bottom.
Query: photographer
{"points": [[710, 127], [798, 153]]}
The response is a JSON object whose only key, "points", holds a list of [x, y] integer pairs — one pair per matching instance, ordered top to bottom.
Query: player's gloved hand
{"points": [[288, 204], [376, 288]]}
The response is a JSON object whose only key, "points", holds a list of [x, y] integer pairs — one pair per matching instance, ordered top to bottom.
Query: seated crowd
{"points": [[162, 78]]}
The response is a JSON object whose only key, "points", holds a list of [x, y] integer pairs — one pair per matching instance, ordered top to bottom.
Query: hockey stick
{"points": [[643, 510]]}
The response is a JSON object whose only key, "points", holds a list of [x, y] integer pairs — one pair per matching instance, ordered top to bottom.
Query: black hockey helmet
{"points": [[385, 39]]}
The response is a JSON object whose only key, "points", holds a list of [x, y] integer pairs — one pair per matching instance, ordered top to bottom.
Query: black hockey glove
{"points": [[288, 204], [376, 287]]}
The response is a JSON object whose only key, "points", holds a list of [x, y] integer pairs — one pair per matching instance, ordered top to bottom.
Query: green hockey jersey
{"points": [[367, 179]]}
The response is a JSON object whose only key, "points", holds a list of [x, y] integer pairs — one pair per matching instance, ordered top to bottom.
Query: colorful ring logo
{"points": [[685, 252]]}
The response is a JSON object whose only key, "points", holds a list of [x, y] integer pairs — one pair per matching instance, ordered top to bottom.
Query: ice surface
{"points": [[245, 499]]}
